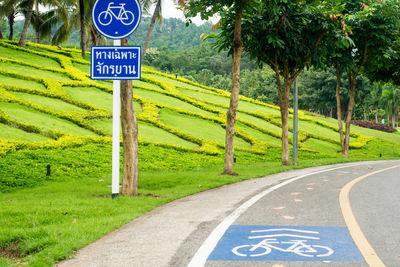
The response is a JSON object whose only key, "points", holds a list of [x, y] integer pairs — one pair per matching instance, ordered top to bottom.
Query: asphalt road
{"points": [[339, 215], [302, 224]]}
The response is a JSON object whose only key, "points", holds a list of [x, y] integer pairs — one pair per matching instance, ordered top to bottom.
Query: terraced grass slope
{"points": [[47, 99]]}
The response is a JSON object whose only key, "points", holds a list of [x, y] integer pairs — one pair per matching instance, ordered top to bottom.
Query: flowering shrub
{"points": [[375, 126]]}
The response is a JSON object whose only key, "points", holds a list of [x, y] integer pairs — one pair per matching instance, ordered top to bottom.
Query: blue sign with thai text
{"points": [[116, 19], [116, 63], [286, 243]]}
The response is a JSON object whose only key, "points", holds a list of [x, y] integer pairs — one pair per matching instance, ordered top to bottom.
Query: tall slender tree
{"points": [[208, 8], [157, 15], [82, 17], [37, 24], [24, 34]]}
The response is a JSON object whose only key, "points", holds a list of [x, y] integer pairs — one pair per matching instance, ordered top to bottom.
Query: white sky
{"points": [[169, 10]]}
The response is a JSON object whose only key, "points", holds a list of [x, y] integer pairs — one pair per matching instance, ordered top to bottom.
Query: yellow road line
{"points": [[358, 236]]}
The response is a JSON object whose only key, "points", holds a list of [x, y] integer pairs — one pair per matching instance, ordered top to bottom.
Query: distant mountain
{"points": [[172, 33]]}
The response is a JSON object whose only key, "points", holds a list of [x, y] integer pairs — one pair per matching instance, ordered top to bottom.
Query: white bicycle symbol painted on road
{"points": [[126, 17], [297, 246]]}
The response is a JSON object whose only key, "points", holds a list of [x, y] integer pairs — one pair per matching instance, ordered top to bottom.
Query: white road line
{"points": [[285, 229], [286, 235], [200, 258]]}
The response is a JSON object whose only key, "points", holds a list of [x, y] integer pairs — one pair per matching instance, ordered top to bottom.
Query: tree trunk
{"points": [[11, 19], [153, 20], [37, 21], [83, 27], [24, 34], [1, 35], [95, 35], [352, 90], [234, 102], [339, 108], [376, 115], [393, 121], [129, 125]]}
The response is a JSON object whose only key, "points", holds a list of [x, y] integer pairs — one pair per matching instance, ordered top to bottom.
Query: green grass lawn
{"points": [[28, 57], [82, 67], [26, 70], [169, 80], [21, 82], [140, 83], [91, 95], [169, 101], [50, 103], [44, 121], [261, 123], [195, 126], [147, 132], [11, 133], [259, 135]]}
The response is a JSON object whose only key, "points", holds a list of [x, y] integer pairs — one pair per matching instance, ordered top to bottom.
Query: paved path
{"points": [[175, 234]]}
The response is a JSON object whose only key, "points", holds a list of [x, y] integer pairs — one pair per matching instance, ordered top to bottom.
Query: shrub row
{"points": [[375, 126]]}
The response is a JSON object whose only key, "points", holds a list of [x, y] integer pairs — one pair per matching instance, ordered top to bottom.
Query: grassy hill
{"points": [[52, 113]]}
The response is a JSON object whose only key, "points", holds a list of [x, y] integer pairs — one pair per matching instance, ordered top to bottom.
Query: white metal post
{"points": [[295, 124], [116, 132]]}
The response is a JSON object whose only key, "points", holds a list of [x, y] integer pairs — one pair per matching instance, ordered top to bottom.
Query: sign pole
{"points": [[116, 20], [116, 132]]}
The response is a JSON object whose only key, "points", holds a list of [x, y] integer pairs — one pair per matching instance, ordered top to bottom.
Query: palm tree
{"points": [[9, 9], [157, 15], [62, 16], [82, 19], [24, 34], [375, 98], [391, 99]]}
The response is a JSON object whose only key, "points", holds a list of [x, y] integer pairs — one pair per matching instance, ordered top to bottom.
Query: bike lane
{"points": [[298, 224]]}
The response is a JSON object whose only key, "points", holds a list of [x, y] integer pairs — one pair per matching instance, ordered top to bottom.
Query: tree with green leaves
{"points": [[207, 9], [374, 26], [284, 35], [389, 65]]}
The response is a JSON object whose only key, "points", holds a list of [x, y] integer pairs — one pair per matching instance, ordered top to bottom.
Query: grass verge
{"points": [[46, 218]]}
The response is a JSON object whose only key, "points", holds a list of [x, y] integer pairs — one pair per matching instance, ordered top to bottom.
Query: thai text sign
{"points": [[116, 63]]}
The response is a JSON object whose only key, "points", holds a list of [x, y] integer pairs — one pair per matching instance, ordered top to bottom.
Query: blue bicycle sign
{"points": [[126, 17], [116, 19]]}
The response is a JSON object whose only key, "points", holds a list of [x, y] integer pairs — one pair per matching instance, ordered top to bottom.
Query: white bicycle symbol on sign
{"points": [[126, 17], [298, 247]]}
